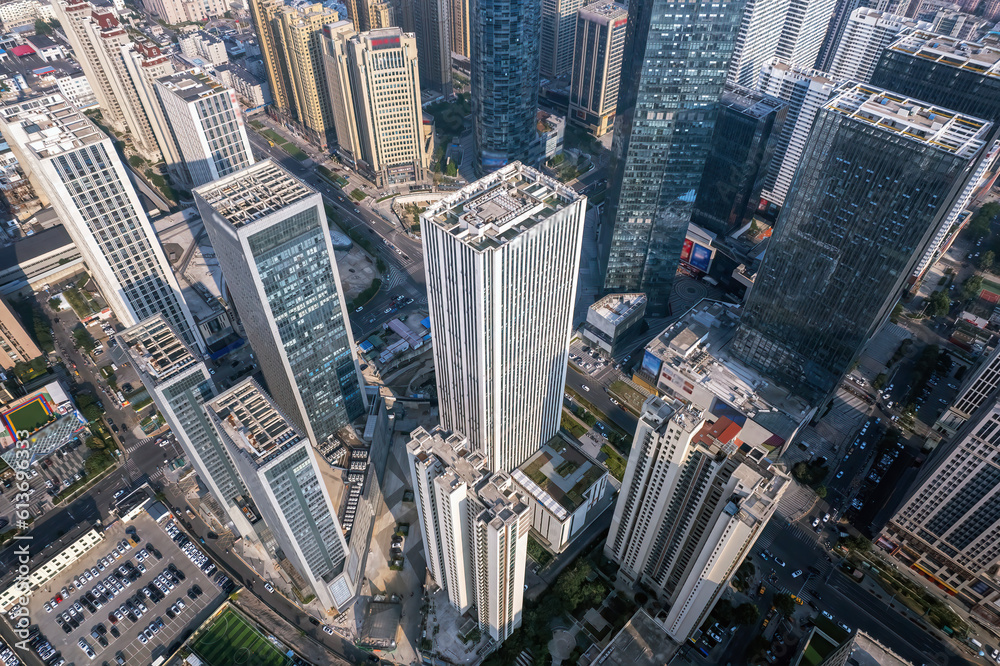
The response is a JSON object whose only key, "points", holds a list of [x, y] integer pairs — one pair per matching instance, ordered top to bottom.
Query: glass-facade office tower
{"points": [[504, 53], [676, 57], [743, 143], [73, 166], [877, 175], [270, 234], [502, 257], [179, 384], [284, 474]]}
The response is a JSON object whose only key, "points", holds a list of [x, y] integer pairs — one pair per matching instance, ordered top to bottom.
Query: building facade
{"points": [[186, 11], [458, 14], [432, 27], [558, 29], [867, 34], [504, 50], [145, 63], [597, 65], [374, 83], [207, 125], [662, 136], [743, 144], [74, 167], [878, 174], [270, 234], [501, 257], [612, 320], [16, 344], [179, 384], [284, 473], [692, 504], [474, 527]]}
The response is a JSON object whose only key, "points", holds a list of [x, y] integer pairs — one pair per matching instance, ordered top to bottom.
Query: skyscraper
{"points": [[458, 14], [792, 30], [433, 31], [867, 34], [557, 36], [290, 46], [504, 54], [145, 63], [597, 66], [374, 86], [805, 90], [207, 125], [662, 135], [743, 143], [73, 166], [877, 175], [269, 231], [502, 256], [179, 384], [976, 390], [284, 473], [692, 504], [474, 527], [947, 528]]}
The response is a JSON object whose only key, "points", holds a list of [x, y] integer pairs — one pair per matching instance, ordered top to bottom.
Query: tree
{"points": [[42, 28], [451, 169], [986, 261], [972, 287], [938, 304], [821, 492], [857, 543], [784, 604], [724, 612], [746, 613]]}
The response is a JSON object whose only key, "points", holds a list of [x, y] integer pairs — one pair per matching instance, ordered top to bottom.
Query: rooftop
{"points": [[608, 10], [969, 56], [803, 73], [190, 85], [750, 102], [49, 126], [942, 128], [253, 193], [499, 207], [34, 246], [615, 308], [156, 349], [253, 422], [559, 476], [641, 642]]}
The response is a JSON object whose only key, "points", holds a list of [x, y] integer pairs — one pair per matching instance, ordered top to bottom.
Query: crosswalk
{"points": [[395, 278], [138, 445]]}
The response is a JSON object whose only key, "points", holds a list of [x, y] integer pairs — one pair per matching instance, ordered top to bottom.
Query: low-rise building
{"points": [[77, 91], [252, 91], [32, 262], [611, 320], [16, 346], [40, 422], [566, 490], [49, 569]]}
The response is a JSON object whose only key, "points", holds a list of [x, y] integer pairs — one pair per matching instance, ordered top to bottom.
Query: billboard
{"points": [[696, 255], [650, 364]]}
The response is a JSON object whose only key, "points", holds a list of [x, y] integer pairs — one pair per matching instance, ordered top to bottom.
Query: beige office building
{"points": [[459, 18], [290, 47], [597, 66], [374, 86], [17, 345]]}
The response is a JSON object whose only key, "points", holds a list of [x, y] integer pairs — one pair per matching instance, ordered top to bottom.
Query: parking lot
{"points": [[46, 479], [112, 605]]}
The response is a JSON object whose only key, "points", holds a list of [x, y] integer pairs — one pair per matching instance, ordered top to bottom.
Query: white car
{"points": [[585, 387], [796, 573], [268, 587], [827, 615], [328, 629]]}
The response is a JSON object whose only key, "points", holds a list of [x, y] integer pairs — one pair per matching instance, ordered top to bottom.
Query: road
{"points": [[600, 399]]}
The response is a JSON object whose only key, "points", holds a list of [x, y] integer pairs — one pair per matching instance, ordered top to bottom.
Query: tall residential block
{"points": [[186, 11], [458, 15], [76, 18], [432, 27], [792, 30], [867, 34], [557, 36], [290, 46], [504, 52], [145, 63], [597, 65], [374, 84], [805, 90], [207, 125], [663, 138], [743, 144], [73, 166], [877, 175], [271, 237], [502, 256], [17, 345], [180, 384], [285, 476], [692, 504], [474, 527], [947, 530]]}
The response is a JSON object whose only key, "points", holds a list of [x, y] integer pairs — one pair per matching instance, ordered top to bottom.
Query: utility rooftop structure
{"points": [[977, 58], [190, 85], [53, 126], [946, 130], [258, 192], [498, 208], [156, 349], [254, 423]]}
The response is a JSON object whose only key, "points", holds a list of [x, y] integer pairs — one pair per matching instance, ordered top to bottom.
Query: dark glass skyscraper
{"points": [[505, 52], [675, 63], [745, 137], [878, 173]]}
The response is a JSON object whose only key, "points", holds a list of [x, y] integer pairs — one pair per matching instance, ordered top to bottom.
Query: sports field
{"points": [[28, 416], [231, 641]]}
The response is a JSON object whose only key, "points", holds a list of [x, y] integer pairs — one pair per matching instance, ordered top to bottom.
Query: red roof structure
{"points": [[23, 50]]}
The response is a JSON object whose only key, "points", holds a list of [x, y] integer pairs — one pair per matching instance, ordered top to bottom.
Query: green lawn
{"points": [[273, 136], [295, 152], [29, 417], [231, 641]]}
